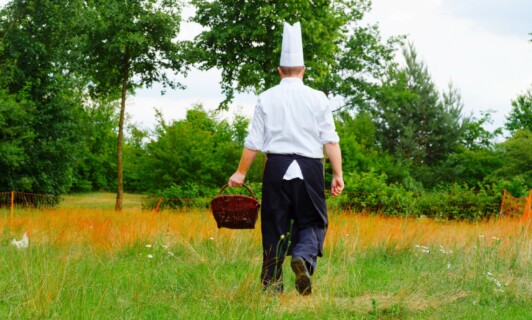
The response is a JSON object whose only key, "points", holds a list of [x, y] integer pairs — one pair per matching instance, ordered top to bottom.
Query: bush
{"points": [[368, 192], [458, 202]]}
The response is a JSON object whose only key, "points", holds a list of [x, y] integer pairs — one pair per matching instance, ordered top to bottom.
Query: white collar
{"points": [[291, 80]]}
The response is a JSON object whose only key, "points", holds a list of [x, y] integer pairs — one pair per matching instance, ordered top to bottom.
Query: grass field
{"points": [[97, 264]]}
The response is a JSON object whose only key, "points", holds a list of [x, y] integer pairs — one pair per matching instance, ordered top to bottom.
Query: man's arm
{"points": [[335, 157], [246, 160]]}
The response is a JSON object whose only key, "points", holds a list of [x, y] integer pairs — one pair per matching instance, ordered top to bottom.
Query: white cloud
{"points": [[490, 68], [202, 88]]}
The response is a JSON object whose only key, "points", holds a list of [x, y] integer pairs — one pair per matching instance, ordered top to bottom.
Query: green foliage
{"points": [[243, 39], [131, 40], [39, 43], [129, 44], [520, 117], [414, 123], [16, 135], [357, 136], [476, 137], [200, 150], [407, 150], [360, 151], [136, 154], [517, 158], [96, 166], [473, 167], [517, 186], [370, 192], [459, 202]]}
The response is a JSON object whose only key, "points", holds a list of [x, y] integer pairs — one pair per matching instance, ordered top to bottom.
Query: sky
{"points": [[481, 46]]}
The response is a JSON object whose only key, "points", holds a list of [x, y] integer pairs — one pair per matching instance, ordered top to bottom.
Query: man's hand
{"points": [[335, 157], [246, 160], [236, 179], [337, 186]]}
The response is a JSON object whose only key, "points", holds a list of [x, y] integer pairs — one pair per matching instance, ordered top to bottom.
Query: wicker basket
{"points": [[235, 211]]}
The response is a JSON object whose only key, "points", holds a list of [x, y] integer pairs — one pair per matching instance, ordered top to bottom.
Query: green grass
{"points": [[215, 275]]}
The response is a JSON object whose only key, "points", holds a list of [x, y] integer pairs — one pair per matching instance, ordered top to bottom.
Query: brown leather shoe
{"points": [[303, 280]]}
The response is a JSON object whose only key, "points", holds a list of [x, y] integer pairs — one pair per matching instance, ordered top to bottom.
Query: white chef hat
{"points": [[292, 50]]}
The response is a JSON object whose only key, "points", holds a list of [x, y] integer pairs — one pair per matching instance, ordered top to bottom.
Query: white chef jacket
{"points": [[292, 118]]}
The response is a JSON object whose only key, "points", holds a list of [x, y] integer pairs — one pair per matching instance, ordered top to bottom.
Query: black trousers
{"points": [[291, 222]]}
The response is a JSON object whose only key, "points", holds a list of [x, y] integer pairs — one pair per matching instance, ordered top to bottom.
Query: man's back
{"points": [[295, 120]]}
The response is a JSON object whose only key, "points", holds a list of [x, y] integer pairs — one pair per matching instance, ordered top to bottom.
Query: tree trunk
{"points": [[119, 163]]}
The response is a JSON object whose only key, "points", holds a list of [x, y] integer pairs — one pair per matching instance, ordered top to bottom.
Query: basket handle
{"points": [[243, 185]]}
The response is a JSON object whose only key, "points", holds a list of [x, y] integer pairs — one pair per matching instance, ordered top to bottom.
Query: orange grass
{"points": [[109, 232], [400, 232]]}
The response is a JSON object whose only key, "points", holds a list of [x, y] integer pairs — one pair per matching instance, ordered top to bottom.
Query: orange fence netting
{"points": [[515, 207]]}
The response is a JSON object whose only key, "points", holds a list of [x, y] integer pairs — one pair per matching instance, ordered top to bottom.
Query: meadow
{"points": [[92, 263]]}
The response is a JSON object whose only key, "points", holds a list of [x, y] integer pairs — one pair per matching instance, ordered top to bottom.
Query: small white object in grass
{"points": [[481, 236], [211, 238], [496, 239], [22, 243], [148, 246], [164, 246], [424, 249], [442, 250], [170, 253], [150, 256], [448, 266], [490, 277]]}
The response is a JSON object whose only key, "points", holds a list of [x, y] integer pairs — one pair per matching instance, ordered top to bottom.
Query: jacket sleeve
{"points": [[326, 127], [255, 138]]}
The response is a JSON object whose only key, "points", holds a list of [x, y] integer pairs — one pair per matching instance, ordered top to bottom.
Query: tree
{"points": [[243, 39], [130, 44], [37, 66], [520, 117], [413, 121], [16, 135], [476, 137], [197, 150], [478, 156], [517, 158], [96, 166]]}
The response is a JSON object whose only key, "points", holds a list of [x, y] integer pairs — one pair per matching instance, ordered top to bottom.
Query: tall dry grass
{"points": [[108, 231], [92, 263]]}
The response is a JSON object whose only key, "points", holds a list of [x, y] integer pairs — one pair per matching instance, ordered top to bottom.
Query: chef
{"points": [[292, 125]]}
